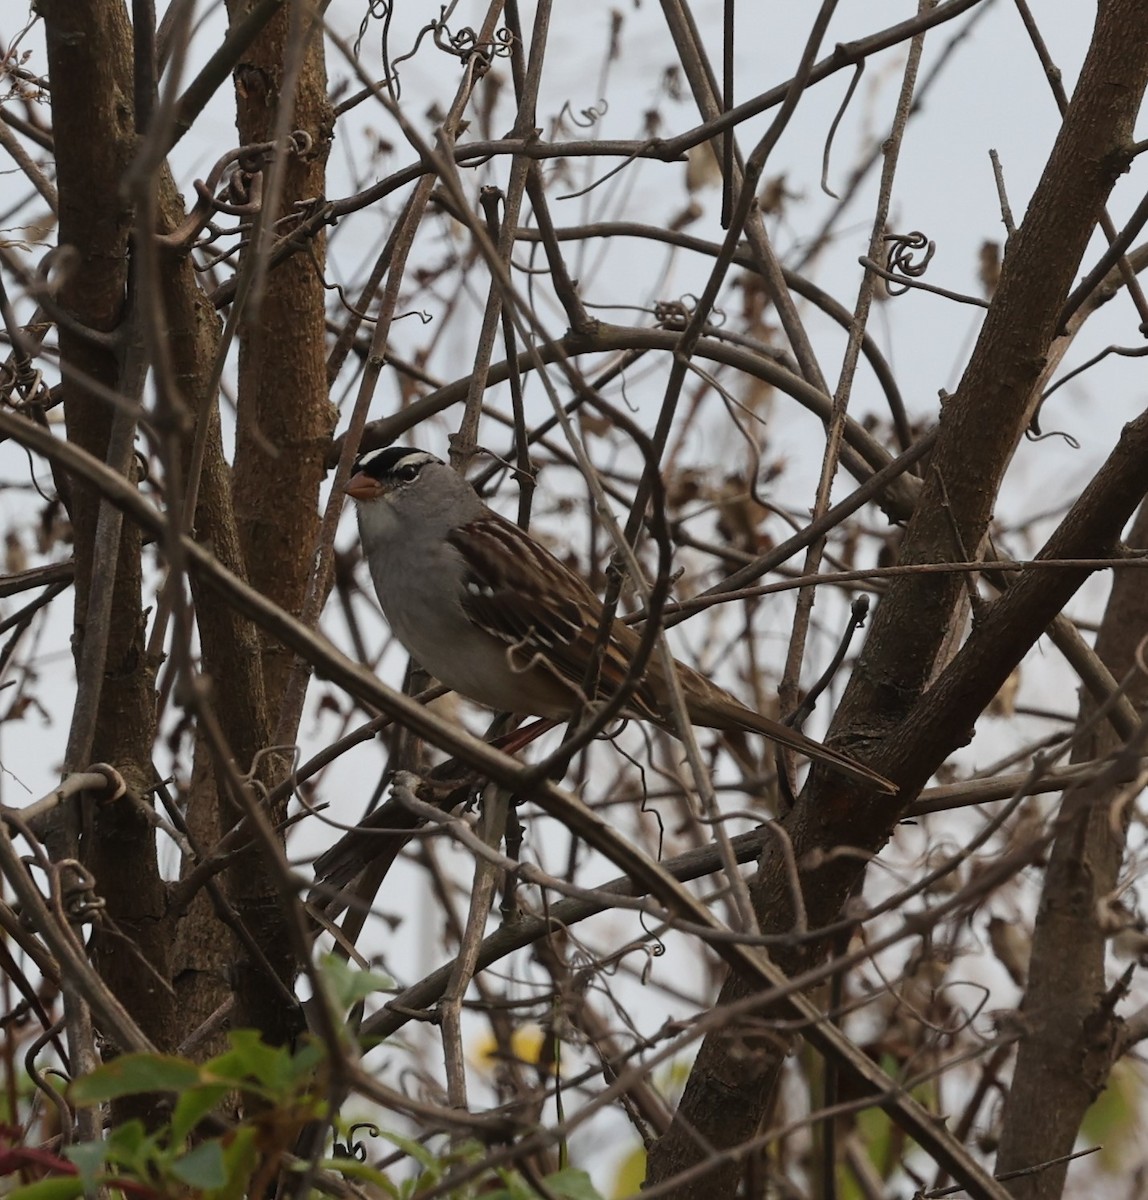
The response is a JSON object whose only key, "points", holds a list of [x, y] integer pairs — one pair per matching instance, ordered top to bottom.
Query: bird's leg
{"points": [[509, 906]]}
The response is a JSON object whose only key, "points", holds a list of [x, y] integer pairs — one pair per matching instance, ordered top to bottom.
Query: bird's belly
{"points": [[475, 665]]}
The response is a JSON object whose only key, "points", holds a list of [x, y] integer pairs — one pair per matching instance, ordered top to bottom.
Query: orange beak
{"points": [[363, 487]]}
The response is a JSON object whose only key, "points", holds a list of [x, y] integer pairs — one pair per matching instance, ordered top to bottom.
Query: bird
{"points": [[488, 611]]}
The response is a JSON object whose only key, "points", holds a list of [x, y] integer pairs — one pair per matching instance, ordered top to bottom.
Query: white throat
{"points": [[378, 523]]}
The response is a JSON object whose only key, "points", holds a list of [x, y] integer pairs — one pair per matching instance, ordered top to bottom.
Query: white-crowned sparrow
{"points": [[486, 610]]}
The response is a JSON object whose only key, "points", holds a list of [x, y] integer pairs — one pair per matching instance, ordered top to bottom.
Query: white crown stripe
{"points": [[410, 459], [365, 460]]}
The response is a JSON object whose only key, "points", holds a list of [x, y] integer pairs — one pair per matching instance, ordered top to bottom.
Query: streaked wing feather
{"points": [[521, 594]]}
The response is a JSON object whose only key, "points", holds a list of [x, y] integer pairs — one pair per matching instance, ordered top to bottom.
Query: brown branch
{"points": [[89, 47], [282, 416], [979, 429], [1069, 1043]]}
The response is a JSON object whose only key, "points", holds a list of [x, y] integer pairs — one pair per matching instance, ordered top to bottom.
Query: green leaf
{"points": [[347, 985], [249, 1060], [299, 1068], [272, 1072], [131, 1074], [193, 1106], [1115, 1118], [877, 1137], [128, 1142], [240, 1156], [424, 1157], [88, 1158], [203, 1167], [351, 1168], [631, 1174], [569, 1184], [572, 1184], [59, 1187]]}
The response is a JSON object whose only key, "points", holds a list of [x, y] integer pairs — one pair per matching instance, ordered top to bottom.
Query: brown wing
{"points": [[521, 594], [526, 598]]}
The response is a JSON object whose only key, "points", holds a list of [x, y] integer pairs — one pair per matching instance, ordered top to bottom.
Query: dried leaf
{"points": [[703, 168], [989, 271], [740, 516], [15, 556], [1003, 704], [1012, 946]]}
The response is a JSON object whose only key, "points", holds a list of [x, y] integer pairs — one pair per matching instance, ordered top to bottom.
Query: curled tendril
{"points": [[377, 10], [465, 42], [503, 43], [460, 44], [463, 45], [393, 82], [590, 116], [254, 157], [234, 186], [240, 196], [900, 258], [673, 314], [424, 316], [19, 376], [25, 381], [1033, 434], [143, 468], [76, 891], [652, 951], [353, 1148]]}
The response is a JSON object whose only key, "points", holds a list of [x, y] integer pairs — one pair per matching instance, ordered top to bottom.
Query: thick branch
{"points": [[980, 428], [1070, 1037]]}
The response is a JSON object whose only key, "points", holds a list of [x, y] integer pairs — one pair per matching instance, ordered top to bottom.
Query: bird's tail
{"points": [[730, 717]]}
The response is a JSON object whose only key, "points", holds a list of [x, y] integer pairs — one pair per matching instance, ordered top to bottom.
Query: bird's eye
{"points": [[408, 473]]}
